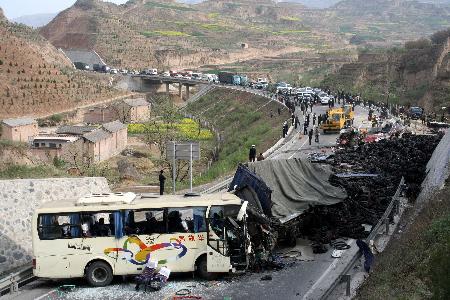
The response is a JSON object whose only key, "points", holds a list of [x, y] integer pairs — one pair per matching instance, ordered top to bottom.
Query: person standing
{"points": [[293, 119], [314, 119], [297, 122], [305, 128], [285, 129], [316, 134], [310, 135], [252, 154], [162, 181]]}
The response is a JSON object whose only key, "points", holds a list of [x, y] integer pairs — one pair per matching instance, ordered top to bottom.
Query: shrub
{"points": [[418, 44]]}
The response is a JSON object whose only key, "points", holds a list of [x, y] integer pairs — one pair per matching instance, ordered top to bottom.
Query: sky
{"points": [[17, 8]]}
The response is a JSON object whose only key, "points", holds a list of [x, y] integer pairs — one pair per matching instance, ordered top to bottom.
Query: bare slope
{"points": [[168, 34], [418, 73], [36, 78]]}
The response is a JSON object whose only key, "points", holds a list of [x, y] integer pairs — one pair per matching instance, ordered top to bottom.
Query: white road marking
{"points": [[298, 149], [318, 281], [47, 294]]}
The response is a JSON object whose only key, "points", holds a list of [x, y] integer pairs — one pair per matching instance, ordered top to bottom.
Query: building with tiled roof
{"points": [[19, 129]]}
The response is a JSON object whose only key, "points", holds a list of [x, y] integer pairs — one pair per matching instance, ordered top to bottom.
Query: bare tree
{"points": [[122, 111]]}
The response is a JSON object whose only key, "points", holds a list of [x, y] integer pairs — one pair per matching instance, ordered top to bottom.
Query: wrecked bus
{"points": [[102, 235]]}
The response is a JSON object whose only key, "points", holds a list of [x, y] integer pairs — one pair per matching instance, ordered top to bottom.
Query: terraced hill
{"points": [[168, 34], [37, 79]]}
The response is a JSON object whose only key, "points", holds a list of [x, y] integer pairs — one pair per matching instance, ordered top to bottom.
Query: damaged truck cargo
{"points": [[279, 191]]}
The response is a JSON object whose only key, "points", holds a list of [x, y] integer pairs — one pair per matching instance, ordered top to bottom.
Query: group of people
{"points": [[252, 155]]}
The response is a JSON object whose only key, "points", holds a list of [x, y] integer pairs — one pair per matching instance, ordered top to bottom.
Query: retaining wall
{"points": [[437, 171], [19, 198]]}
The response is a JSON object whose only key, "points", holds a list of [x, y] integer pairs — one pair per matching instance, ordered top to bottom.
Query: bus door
{"points": [[226, 238]]}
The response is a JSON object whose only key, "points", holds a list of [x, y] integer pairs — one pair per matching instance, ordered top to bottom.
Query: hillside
{"points": [[168, 34], [418, 73], [34, 76]]}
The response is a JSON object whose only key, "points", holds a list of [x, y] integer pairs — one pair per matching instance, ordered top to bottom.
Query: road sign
{"points": [[182, 150]]}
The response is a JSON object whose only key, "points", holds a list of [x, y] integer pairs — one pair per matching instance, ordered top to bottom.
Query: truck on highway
{"points": [[81, 66], [102, 235]]}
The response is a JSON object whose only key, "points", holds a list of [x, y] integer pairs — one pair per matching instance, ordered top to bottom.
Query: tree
{"points": [[160, 129]]}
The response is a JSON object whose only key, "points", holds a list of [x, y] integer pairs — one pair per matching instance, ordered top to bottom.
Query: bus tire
{"points": [[202, 269], [99, 274]]}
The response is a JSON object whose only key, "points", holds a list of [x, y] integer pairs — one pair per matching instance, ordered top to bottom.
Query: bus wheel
{"points": [[202, 269], [99, 274]]}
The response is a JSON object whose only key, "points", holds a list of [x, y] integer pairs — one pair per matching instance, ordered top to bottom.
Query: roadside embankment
{"points": [[19, 198]]}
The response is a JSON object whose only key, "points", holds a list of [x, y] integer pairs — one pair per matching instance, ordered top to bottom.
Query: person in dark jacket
{"points": [[305, 128], [310, 135], [252, 154], [162, 181]]}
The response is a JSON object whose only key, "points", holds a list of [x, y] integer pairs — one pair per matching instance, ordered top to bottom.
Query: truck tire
{"points": [[202, 269], [99, 274]]}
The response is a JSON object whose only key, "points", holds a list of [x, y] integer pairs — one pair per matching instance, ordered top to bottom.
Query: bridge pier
{"points": [[168, 88], [180, 90], [187, 92]]}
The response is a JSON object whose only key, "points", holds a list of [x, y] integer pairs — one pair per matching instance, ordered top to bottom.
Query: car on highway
{"points": [[113, 71], [124, 71], [152, 72], [165, 74], [197, 76], [283, 87], [324, 98], [415, 112]]}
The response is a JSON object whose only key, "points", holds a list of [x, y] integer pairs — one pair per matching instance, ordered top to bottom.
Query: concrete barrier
{"points": [[437, 172], [18, 200]]}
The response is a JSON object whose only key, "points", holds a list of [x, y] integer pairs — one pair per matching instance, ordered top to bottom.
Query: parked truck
{"points": [[226, 77]]}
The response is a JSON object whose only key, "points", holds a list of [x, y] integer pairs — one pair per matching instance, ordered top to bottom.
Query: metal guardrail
{"points": [[218, 187], [384, 220], [12, 282]]}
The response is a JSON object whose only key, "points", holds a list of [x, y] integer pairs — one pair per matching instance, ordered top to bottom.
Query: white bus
{"points": [[102, 235]]}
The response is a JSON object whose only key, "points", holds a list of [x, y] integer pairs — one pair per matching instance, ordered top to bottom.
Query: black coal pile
{"points": [[368, 197]]}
